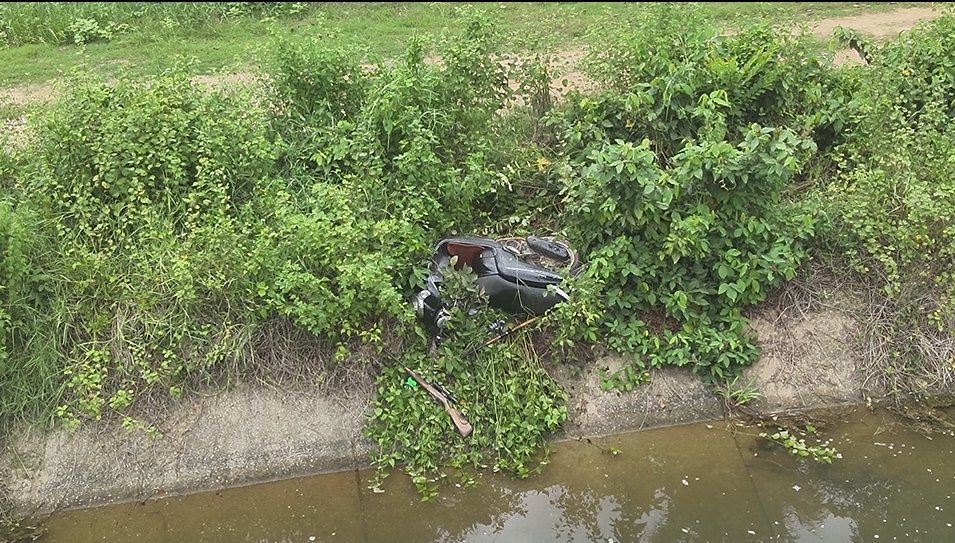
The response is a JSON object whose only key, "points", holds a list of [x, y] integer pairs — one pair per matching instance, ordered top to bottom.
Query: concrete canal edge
{"points": [[254, 434]]}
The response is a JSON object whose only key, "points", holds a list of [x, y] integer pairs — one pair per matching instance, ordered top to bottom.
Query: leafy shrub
{"points": [[90, 30], [666, 66], [916, 71], [421, 130], [114, 157], [384, 160], [675, 180], [180, 220], [183, 221], [678, 260], [332, 265], [502, 388]]}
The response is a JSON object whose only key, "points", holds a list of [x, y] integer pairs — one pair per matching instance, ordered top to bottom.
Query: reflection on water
{"points": [[703, 482]]}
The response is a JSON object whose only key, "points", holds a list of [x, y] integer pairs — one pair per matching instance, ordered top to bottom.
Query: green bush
{"points": [[915, 72], [676, 77], [422, 131], [114, 159], [382, 161], [674, 184], [185, 218], [679, 251], [330, 263], [502, 388]]}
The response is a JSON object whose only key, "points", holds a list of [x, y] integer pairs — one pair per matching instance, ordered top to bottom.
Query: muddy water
{"points": [[704, 482]]}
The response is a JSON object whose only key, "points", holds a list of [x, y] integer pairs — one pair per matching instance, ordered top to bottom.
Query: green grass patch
{"points": [[151, 37]]}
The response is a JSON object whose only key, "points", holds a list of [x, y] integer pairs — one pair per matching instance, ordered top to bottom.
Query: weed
{"points": [[893, 205], [503, 391], [736, 394], [797, 446]]}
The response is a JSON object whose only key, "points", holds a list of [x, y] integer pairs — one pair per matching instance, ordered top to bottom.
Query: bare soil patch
{"points": [[876, 25], [26, 94]]}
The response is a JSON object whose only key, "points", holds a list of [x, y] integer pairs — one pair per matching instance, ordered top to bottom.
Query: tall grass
{"points": [[29, 365]]}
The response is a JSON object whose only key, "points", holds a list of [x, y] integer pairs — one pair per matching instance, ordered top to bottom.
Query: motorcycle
{"points": [[518, 274]]}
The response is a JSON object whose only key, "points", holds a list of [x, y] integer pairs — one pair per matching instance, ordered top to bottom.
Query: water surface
{"points": [[703, 482]]}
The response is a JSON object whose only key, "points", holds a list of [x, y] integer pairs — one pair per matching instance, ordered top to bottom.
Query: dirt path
{"points": [[876, 25]]}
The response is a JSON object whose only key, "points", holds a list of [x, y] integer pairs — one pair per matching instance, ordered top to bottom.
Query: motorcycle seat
{"points": [[488, 257], [518, 271]]}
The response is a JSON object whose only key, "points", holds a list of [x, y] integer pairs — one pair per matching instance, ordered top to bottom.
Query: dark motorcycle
{"points": [[511, 271]]}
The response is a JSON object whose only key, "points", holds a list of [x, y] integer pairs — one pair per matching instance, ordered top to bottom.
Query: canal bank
{"points": [[252, 434]]}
